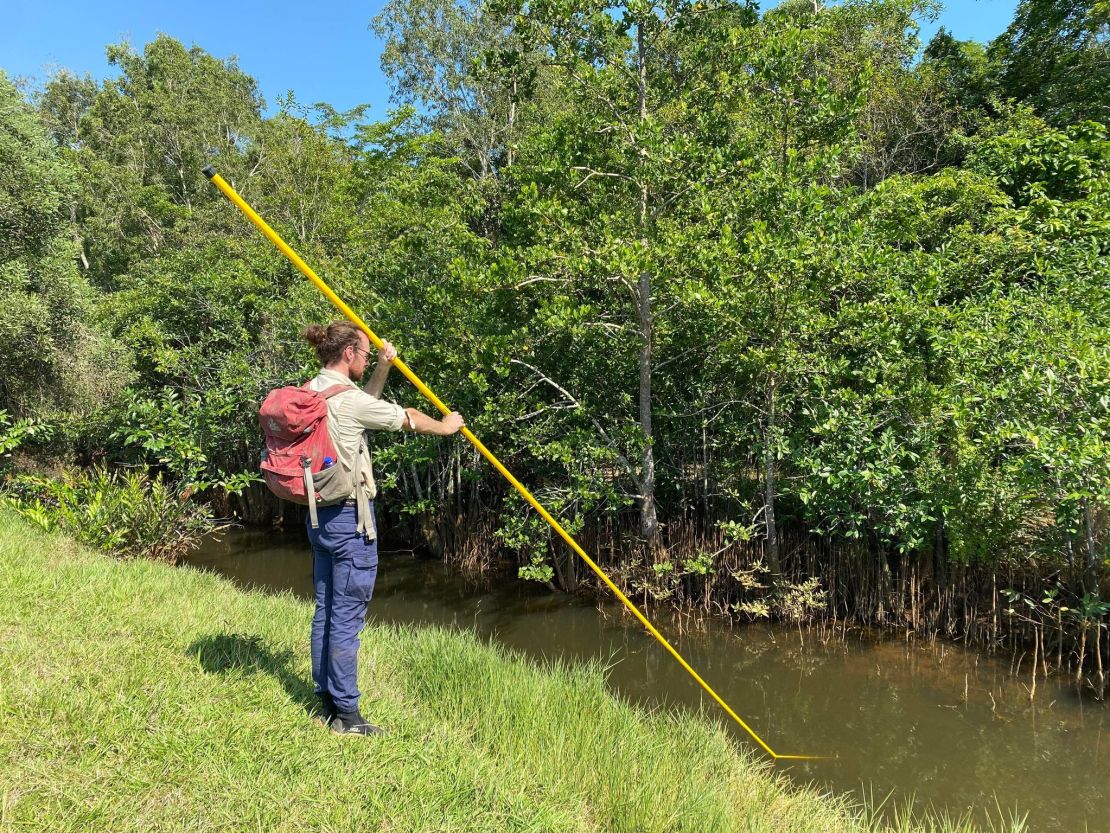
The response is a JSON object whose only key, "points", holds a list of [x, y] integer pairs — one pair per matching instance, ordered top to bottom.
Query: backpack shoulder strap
{"points": [[328, 393]]}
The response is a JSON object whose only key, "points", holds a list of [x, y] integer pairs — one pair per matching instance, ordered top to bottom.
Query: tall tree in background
{"points": [[1056, 56], [463, 65], [959, 71], [143, 140], [604, 180], [57, 366]]}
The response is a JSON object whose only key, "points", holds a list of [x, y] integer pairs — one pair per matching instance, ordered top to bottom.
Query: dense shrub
{"points": [[125, 513]]}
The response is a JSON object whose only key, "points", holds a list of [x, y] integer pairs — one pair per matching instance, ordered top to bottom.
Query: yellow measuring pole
{"points": [[295, 259]]}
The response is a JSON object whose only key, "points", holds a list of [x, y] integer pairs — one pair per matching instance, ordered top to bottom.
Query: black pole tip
{"points": [[208, 171]]}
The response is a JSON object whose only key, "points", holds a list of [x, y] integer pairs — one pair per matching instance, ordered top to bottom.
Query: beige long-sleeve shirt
{"points": [[349, 414]]}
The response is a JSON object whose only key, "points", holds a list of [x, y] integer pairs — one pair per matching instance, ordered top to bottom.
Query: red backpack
{"points": [[299, 462]]}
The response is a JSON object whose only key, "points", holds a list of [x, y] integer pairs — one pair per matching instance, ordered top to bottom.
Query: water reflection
{"points": [[949, 726]]}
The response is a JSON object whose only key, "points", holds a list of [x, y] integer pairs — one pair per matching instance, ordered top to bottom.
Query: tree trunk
{"points": [[510, 156], [704, 471], [649, 523], [772, 547], [940, 561], [1091, 584]]}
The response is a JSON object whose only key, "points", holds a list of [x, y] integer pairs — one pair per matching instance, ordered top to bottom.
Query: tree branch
{"points": [[605, 436]]}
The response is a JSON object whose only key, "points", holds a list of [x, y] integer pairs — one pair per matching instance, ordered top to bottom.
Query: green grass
{"points": [[136, 696]]}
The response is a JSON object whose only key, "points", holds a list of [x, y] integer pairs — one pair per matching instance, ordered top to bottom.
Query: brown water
{"points": [[950, 727]]}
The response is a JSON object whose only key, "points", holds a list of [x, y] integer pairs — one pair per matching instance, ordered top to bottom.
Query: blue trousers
{"points": [[344, 568]]}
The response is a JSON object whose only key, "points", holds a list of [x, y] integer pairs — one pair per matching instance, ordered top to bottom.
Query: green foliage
{"points": [[1054, 55], [465, 67], [960, 71], [142, 141], [1034, 161], [37, 186], [57, 365], [13, 433], [174, 433], [124, 513], [700, 563], [536, 570], [795, 602]]}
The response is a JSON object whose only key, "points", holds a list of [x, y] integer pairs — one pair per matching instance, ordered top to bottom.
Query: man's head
{"points": [[340, 346]]}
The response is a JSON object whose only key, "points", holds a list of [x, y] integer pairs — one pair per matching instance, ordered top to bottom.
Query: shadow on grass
{"points": [[236, 653]]}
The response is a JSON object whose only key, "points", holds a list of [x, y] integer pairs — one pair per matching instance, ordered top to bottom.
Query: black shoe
{"points": [[327, 708], [353, 723]]}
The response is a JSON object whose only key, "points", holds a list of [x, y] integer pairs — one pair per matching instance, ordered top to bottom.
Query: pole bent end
{"points": [[778, 757]]}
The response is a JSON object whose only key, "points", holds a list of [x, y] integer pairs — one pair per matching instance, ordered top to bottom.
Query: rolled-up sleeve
{"points": [[376, 414]]}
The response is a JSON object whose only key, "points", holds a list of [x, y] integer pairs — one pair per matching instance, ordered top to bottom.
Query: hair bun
{"points": [[315, 334]]}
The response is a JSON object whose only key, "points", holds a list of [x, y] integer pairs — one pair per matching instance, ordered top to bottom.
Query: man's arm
{"points": [[381, 370], [414, 420], [424, 424]]}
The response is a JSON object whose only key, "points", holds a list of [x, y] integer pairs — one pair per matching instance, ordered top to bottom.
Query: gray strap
{"points": [[370, 463], [310, 491], [362, 500], [365, 519]]}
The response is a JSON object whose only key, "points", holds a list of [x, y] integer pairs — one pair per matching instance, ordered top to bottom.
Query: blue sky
{"points": [[322, 53]]}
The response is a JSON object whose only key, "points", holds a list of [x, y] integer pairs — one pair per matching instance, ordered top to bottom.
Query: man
{"points": [[345, 545]]}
